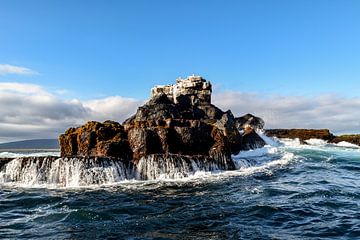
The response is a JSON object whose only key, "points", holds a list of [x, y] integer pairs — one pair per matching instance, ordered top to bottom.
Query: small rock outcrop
{"points": [[179, 119], [249, 120], [301, 134], [352, 138]]}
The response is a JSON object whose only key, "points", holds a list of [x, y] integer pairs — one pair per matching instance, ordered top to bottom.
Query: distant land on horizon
{"points": [[31, 144]]}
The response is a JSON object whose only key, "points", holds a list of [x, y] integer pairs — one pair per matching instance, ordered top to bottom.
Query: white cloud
{"points": [[11, 69], [21, 88], [113, 107], [28, 111], [337, 113]]}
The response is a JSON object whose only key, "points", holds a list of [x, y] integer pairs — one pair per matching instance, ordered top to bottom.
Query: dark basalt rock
{"points": [[181, 122], [301, 134]]}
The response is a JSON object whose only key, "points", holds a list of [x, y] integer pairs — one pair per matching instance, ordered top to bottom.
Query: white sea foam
{"points": [[271, 141], [316, 142], [347, 145], [257, 152]]}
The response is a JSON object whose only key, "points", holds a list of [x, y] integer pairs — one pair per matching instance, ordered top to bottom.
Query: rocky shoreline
{"points": [[306, 134]]}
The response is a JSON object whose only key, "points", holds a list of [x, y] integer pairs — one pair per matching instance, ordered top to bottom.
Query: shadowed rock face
{"points": [[169, 123], [301, 134]]}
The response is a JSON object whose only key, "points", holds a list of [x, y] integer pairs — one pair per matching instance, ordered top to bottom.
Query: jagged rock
{"points": [[249, 120], [301, 134], [352, 138], [96, 139]]}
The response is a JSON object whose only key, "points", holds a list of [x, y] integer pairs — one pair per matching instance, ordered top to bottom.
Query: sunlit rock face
{"points": [[178, 119], [96, 139]]}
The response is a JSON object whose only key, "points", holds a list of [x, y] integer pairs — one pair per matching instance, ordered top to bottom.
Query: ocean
{"points": [[285, 190]]}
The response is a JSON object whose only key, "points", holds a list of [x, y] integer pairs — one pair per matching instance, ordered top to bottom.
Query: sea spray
{"points": [[271, 141]]}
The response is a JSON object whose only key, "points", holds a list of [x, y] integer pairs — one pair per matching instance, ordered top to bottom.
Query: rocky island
{"points": [[178, 121]]}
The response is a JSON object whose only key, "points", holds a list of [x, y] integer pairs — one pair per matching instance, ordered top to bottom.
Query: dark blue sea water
{"points": [[286, 192]]}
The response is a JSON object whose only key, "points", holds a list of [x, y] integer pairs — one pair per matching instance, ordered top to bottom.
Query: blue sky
{"points": [[103, 48], [269, 49]]}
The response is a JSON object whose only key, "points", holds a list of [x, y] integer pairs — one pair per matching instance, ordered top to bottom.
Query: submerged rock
{"points": [[178, 119]]}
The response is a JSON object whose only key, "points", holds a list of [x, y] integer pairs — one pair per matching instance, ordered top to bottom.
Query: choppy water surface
{"points": [[286, 191]]}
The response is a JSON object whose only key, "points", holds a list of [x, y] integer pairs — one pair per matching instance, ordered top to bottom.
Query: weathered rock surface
{"points": [[178, 119], [301, 134], [106, 139]]}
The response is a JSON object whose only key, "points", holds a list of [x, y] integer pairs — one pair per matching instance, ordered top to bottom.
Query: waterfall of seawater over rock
{"points": [[176, 166], [64, 171], [72, 172]]}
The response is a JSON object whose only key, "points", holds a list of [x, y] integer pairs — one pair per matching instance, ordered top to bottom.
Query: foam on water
{"points": [[271, 141], [316, 142], [347, 145]]}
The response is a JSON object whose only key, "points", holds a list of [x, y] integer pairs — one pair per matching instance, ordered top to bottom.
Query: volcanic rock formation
{"points": [[179, 119]]}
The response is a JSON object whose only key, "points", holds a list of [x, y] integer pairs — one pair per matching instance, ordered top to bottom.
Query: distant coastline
{"points": [[34, 144]]}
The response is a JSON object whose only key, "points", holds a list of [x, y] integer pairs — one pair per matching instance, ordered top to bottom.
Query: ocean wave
{"points": [[346, 145]]}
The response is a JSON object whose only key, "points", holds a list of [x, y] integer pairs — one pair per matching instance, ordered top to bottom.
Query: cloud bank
{"points": [[11, 69], [28, 111], [337, 113]]}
